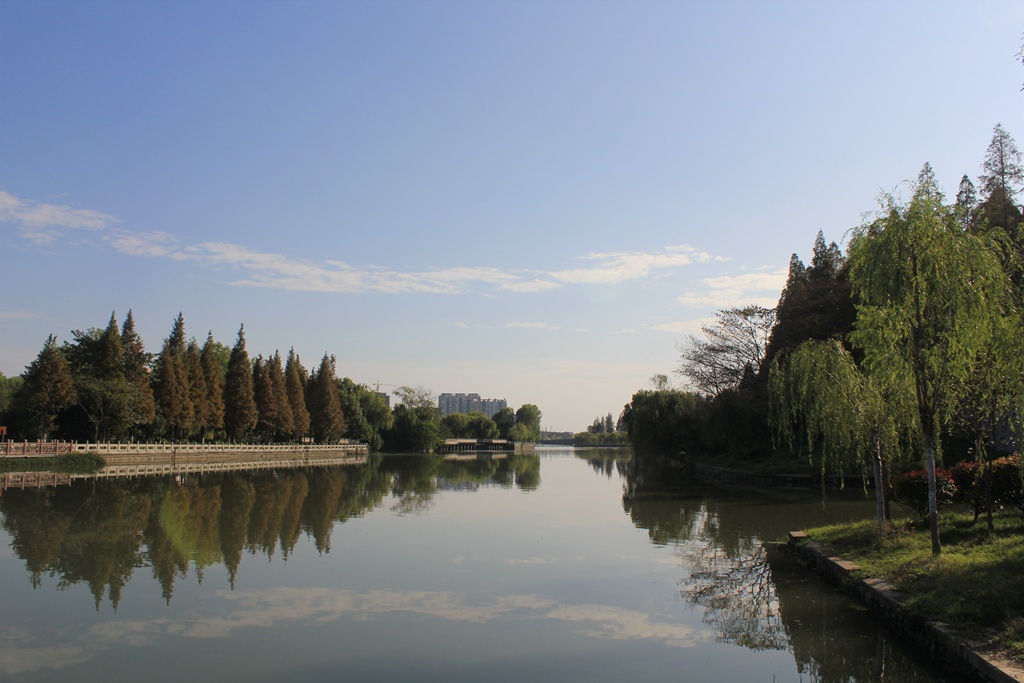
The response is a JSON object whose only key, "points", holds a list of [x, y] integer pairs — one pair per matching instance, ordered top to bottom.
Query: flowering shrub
{"points": [[964, 473], [1003, 475], [911, 489]]}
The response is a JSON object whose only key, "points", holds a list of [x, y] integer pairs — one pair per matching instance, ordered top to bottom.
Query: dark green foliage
{"points": [[1001, 179], [815, 303], [137, 362], [213, 380], [172, 387], [295, 387], [47, 388], [197, 392], [105, 395], [240, 413], [275, 413], [377, 415], [505, 419], [326, 421], [664, 422], [474, 425], [527, 426], [357, 427], [414, 430], [75, 463], [986, 486], [911, 489]]}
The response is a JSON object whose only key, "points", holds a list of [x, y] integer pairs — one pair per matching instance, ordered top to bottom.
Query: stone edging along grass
{"points": [[946, 650]]}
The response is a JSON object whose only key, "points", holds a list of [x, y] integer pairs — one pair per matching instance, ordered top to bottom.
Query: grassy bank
{"points": [[84, 463], [974, 586]]}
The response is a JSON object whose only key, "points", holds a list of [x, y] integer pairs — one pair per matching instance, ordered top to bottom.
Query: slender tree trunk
{"points": [[876, 466], [885, 492], [933, 507]]}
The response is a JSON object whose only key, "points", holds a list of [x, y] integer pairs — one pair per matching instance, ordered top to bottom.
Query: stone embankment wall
{"points": [[129, 460], [948, 652]]}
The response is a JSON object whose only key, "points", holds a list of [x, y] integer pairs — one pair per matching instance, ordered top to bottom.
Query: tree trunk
{"points": [[876, 466], [933, 507]]}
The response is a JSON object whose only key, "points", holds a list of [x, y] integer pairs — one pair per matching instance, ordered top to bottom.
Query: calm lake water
{"points": [[562, 566]]}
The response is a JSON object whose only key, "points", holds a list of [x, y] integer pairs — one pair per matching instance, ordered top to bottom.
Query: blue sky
{"points": [[529, 200]]}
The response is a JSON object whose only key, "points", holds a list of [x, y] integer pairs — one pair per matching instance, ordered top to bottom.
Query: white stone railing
{"points": [[155, 448]]}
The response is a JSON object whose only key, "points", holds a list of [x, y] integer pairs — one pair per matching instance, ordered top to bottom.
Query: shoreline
{"points": [[945, 649]]}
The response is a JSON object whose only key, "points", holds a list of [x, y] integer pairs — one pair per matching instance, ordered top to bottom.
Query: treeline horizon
{"points": [[860, 305], [103, 385]]}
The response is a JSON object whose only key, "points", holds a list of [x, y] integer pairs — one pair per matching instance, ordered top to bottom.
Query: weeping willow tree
{"points": [[930, 296], [820, 400]]}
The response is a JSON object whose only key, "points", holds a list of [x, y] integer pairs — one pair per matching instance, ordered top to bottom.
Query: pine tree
{"points": [[1002, 177], [966, 203], [815, 303], [136, 371], [294, 374], [213, 380], [47, 388], [172, 391], [263, 393], [198, 395], [239, 405], [327, 422], [285, 424]]}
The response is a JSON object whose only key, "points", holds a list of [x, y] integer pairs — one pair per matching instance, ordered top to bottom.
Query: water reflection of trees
{"points": [[607, 461], [99, 532], [753, 593]]}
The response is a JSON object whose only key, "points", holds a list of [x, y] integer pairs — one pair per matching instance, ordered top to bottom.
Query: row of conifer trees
{"points": [[104, 385]]}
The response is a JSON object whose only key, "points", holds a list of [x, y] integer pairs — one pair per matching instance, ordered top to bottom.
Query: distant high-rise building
{"points": [[467, 403]]}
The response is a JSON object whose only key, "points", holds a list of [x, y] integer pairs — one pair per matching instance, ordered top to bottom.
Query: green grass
{"points": [[85, 463], [975, 585]]}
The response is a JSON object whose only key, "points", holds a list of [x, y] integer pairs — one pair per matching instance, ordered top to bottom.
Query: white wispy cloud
{"points": [[43, 223], [613, 268], [761, 288], [9, 314], [532, 326], [271, 608]]}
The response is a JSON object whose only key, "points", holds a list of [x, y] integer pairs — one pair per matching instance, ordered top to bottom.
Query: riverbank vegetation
{"points": [[902, 354], [104, 386], [75, 463], [973, 586]]}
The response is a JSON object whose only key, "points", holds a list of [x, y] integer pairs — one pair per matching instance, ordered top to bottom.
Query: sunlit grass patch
{"points": [[974, 585]]}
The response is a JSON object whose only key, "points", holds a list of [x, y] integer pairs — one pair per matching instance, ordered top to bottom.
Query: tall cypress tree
{"points": [[1002, 177], [136, 371], [294, 376], [213, 380], [171, 386], [263, 393], [198, 396], [239, 404], [327, 422], [285, 424]]}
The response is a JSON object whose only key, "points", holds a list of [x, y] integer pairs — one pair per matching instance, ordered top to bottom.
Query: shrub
{"points": [[964, 474], [1004, 476], [1006, 484], [911, 489]]}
